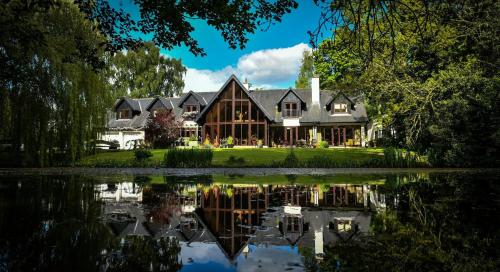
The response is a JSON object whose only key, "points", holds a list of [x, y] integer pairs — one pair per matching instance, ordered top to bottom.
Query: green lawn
{"points": [[254, 157]]}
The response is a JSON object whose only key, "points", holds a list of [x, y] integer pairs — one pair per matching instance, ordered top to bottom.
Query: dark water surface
{"points": [[403, 222]]}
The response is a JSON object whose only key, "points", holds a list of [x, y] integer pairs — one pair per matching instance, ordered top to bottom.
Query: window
{"points": [[342, 107], [190, 108], [290, 110], [154, 113], [124, 114], [344, 225]]}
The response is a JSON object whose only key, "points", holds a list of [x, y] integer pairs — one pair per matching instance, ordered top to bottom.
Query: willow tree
{"points": [[52, 87]]}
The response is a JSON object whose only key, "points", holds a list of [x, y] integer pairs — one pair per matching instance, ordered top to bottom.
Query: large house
{"points": [[277, 117]]}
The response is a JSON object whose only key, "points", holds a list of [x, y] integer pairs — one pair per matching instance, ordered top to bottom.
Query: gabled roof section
{"points": [[291, 91], [219, 92], [335, 96], [198, 98], [131, 102], [165, 102]]}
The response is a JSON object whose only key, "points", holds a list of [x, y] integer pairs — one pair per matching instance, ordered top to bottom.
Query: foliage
{"points": [[171, 24], [306, 71], [144, 72], [430, 75], [52, 92], [163, 129], [230, 140], [260, 143], [323, 144], [142, 154], [188, 158], [233, 160], [437, 225]]}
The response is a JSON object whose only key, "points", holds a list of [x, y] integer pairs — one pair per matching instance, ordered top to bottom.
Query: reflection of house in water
{"points": [[330, 196], [232, 213], [308, 216], [237, 218]]}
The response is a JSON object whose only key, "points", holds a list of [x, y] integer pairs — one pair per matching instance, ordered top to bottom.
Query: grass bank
{"points": [[252, 157]]}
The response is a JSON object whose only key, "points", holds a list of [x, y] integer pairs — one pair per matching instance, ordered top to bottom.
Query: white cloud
{"points": [[264, 69]]}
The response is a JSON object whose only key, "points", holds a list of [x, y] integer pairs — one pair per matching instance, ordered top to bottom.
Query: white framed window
{"points": [[339, 108]]}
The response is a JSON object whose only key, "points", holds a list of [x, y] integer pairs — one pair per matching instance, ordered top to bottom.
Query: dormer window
{"points": [[190, 108], [339, 108], [290, 110], [124, 114], [344, 225]]}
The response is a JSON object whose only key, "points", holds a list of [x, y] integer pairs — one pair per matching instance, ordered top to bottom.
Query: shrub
{"points": [[230, 140], [323, 144], [142, 154], [394, 157], [188, 158], [232, 160], [290, 161]]}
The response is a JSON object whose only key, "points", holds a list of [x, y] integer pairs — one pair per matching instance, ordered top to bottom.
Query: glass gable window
{"points": [[339, 108], [235, 114]]}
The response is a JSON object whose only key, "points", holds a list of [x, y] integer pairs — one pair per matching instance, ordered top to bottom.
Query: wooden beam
{"points": [[344, 137]]}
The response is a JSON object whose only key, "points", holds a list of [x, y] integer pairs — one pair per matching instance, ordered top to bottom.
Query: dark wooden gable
{"points": [[225, 92]]}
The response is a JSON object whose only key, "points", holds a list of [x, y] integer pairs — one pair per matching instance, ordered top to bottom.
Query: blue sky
{"points": [[271, 58]]}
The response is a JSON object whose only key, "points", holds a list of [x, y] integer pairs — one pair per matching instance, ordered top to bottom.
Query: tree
{"points": [[170, 23], [426, 68], [306, 71], [144, 72], [51, 87], [163, 129]]}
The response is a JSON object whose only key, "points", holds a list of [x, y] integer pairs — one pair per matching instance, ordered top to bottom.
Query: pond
{"points": [[379, 222]]}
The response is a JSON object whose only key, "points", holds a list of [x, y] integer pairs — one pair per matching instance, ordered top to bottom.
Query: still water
{"points": [[403, 222]]}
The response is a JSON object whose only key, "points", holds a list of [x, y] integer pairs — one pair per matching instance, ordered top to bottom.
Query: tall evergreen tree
{"points": [[306, 71]]}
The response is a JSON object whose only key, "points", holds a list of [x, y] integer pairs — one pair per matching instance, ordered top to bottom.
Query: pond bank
{"points": [[227, 171]]}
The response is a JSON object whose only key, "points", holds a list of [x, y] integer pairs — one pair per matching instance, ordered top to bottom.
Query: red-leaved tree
{"points": [[163, 129]]}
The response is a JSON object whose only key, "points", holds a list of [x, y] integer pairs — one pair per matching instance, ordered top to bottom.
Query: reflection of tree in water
{"points": [[165, 210], [55, 224], [443, 224], [141, 253]]}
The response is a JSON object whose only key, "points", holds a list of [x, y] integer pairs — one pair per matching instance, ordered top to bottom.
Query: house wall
{"points": [[123, 137]]}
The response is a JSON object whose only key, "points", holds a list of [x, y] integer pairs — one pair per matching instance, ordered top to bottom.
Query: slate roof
{"points": [[269, 98], [266, 100]]}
